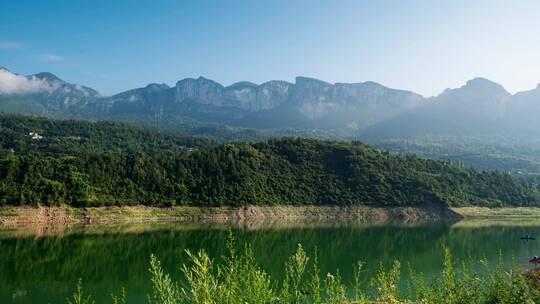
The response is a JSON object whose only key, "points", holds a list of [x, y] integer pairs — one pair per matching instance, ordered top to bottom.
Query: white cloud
{"points": [[6, 44], [50, 57], [17, 84]]}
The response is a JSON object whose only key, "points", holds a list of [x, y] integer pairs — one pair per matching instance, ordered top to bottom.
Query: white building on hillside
{"points": [[35, 136]]}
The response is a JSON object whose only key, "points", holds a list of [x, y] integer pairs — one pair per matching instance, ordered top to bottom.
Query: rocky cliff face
{"points": [[45, 87], [202, 90], [44, 94], [63, 94], [242, 95], [270, 95], [479, 96], [309, 98], [317, 99], [306, 100], [140, 101], [478, 107]]}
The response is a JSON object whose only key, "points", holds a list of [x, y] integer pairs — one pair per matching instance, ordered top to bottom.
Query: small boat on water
{"points": [[528, 238], [535, 260]]}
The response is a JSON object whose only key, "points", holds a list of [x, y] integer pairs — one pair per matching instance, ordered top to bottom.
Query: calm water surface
{"points": [[42, 264]]}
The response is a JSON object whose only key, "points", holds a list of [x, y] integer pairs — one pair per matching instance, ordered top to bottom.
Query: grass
{"points": [[8, 211], [504, 213], [496, 222], [237, 278]]}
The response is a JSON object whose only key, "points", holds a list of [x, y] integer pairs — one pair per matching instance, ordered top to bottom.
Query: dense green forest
{"points": [[222, 132], [72, 137], [519, 156], [94, 164]]}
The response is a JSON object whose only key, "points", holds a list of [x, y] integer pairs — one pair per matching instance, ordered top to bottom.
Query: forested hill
{"points": [[72, 137], [94, 164]]}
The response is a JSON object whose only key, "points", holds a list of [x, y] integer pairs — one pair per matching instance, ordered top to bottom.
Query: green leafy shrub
{"points": [[239, 279]]}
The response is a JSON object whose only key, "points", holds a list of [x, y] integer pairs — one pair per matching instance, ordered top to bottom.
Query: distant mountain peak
{"points": [[47, 76], [200, 79], [303, 79], [207, 80], [480, 81], [373, 83], [484, 83], [242, 84], [157, 86], [478, 87], [307, 102]]}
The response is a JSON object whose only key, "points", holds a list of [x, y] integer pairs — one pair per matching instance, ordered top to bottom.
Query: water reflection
{"points": [[41, 264]]}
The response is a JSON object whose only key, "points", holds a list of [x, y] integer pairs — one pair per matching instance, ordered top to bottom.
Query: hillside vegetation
{"points": [[519, 156], [95, 164]]}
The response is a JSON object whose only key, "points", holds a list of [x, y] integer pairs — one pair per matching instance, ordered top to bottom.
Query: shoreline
{"points": [[498, 213], [66, 215]]}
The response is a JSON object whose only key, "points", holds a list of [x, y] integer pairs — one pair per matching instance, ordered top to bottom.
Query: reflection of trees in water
{"points": [[112, 260]]}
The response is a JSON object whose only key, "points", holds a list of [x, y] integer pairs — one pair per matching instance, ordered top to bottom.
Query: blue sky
{"points": [[424, 46]]}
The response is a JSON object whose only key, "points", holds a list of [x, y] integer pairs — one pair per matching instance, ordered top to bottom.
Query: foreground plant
{"points": [[239, 279], [79, 297]]}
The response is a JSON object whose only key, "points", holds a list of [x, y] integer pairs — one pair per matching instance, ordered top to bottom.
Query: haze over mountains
{"points": [[369, 110]]}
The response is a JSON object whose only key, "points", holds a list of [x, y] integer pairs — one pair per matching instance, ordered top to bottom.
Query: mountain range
{"points": [[368, 110]]}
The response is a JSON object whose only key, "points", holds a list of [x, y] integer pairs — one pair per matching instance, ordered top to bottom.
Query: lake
{"points": [[42, 264]]}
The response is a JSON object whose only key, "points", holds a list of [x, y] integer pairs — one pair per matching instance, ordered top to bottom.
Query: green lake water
{"points": [[42, 264]]}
